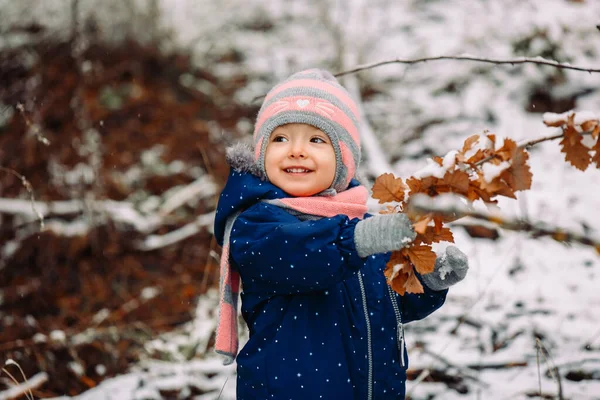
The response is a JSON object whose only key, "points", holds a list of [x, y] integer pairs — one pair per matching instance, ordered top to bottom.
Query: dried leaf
{"points": [[587, 126], [596, 132], [469, 143], [508, 149], [575, 152], [596, 157], [475, 158], [438, 160], [518, 176], [458, 181], [426, 185], [497, 187], [388, 188], [421, 226], [431, 236], [422, 257], [397, 281], [413, 285]]}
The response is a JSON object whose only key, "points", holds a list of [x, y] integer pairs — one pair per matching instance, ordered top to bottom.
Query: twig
{"points": [[514, 61], [34, 128], [531, 143], [201, 188], [29, 189], [420, 203], [511, 364], [461, 369], [553, 369], [424, 374], [23, 388]]}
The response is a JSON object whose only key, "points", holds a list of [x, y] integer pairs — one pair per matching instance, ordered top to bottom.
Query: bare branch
{"points": [[513, 61], [531, 143], [29, 189], [453, 206], [154, 242], [24, 388]]}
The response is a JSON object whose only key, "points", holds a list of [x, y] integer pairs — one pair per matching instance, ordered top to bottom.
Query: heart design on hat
{"points": [[302, 103]]}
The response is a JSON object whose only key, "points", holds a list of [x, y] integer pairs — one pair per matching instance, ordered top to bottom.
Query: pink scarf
{"points": [[351, 202]]}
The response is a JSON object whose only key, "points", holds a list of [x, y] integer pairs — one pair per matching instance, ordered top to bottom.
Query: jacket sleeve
{"points": [[277, 253], [419, 306]]}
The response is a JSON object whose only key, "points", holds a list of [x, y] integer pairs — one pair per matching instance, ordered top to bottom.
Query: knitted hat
{"points": [[313, 97]]}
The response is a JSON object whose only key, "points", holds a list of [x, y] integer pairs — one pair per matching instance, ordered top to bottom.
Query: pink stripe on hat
{"points": [[331, 88]]}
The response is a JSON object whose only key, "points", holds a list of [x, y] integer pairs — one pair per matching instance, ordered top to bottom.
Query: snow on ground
{"points": [[518, 288]]}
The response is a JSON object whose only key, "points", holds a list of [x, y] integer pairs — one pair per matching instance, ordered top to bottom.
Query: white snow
{"points": [[491, 171]]}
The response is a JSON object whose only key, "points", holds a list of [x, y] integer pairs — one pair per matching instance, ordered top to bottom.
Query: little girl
{"points": [[293, 223]]}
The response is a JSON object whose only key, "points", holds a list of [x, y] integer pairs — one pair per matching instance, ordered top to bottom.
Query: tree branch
{"points": [[513, 61], [531, 143], [29, 189], [453, 206], [26, 387]]}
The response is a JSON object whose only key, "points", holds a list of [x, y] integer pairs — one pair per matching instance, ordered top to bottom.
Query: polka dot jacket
{"points": [[323, 322]]}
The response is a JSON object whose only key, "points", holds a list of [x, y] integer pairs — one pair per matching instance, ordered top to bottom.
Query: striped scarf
{"points": [[351, 202]]}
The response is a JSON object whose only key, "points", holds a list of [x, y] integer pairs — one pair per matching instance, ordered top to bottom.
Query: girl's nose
{"points": [[297, 150]]}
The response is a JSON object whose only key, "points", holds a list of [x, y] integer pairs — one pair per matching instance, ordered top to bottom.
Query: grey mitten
{"points": [[383, 233], [449, 269]]}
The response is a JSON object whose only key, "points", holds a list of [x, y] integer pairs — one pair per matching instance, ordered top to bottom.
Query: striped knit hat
{"points": [[313, 97]]}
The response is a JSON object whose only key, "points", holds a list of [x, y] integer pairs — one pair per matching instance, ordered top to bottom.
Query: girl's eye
{"points": [[279, 139], [317, 140]]}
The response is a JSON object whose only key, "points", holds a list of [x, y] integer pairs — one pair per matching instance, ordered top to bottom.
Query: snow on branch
{"points": [[467, 57], [453, 206], [119, 211], [154, 242], [24, 388]]}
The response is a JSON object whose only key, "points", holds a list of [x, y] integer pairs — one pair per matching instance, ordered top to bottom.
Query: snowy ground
{"points": [[518, 288]]}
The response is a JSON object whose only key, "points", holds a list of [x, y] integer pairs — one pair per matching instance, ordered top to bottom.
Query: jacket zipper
{"points": [[399, 325], [369, 351]]}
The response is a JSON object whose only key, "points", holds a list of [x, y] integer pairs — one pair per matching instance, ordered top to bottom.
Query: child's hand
{"points": [[383, 233], [449, 269]]}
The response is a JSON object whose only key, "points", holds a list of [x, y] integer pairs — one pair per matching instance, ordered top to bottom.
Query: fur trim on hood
{"points": [[240, 157]]}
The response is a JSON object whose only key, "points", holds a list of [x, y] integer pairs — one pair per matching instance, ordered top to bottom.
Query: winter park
{"points": [[179, 177]]}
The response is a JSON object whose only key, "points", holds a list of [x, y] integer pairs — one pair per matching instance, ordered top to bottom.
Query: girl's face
{"points": [[300, 160]]}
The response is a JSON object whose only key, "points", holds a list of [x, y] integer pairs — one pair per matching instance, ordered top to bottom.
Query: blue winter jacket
{"points": [[323, 322]]}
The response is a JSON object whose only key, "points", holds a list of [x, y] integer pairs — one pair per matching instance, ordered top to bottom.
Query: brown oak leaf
{"points": [[587, 126], [596, 132], [469, 142], [508, 149], [575, 152], [596, 157], [519, 175], [458, 181], [427, 185], [388, 188], [421, 226], [431, 236], [422, 257], [403, 267], [412, 284]]}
